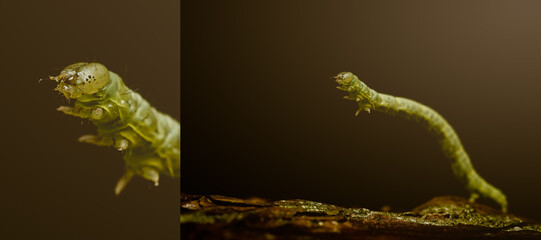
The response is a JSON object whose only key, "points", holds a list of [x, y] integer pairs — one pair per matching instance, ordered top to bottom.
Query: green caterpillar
{"points": [[368, 99], [149, 139]]}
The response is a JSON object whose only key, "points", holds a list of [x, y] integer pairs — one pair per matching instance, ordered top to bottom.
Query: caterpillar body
{"points": [[368, 99], [149, 139]]}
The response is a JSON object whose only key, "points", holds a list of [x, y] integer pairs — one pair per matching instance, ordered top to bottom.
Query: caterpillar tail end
{"points": [[473, 197], [502, 201]]}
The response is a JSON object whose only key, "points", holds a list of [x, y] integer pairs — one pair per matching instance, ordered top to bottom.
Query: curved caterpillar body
{"points": [[368, 99], [149, 139]]}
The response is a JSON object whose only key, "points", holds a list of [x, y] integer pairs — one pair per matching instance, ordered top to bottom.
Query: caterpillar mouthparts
{"points": [[69, 90]]}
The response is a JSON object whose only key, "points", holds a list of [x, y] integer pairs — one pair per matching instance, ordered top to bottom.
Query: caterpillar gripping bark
{"points": [[367, 99]]}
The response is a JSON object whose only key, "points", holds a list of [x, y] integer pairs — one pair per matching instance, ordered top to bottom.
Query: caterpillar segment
{"points": [[368, 99], [149, 139]]}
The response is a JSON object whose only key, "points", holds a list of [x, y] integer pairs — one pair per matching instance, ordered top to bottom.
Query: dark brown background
{"points": [[261, 115], [51, 186]]}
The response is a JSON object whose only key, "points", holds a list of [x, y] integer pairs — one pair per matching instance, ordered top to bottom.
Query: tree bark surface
{"points": [[446, 217]]}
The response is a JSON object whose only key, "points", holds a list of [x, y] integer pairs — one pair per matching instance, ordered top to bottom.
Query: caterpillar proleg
{"points": [[368, 99], [149, 139]]}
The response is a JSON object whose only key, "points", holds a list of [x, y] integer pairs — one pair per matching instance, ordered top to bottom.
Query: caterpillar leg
{"points": [[68, 110], [96, 140], [121, 144], [169, 166], [146, 172], [150, 174], [123, 181]]}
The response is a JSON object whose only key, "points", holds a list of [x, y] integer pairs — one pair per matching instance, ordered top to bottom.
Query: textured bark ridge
{"points": [[447, 217]]}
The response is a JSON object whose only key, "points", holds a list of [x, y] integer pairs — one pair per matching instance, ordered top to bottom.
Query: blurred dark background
{"points": [[261, 115], [53, 187]]}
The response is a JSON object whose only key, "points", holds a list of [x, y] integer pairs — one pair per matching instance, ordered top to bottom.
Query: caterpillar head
{"points": [[344, 78], [80, 79], [357, 91]]}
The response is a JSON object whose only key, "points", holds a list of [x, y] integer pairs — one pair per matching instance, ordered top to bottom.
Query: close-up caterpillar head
{"points": [[344, 78], [80, 79], [348, 82], [357, 91]]}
